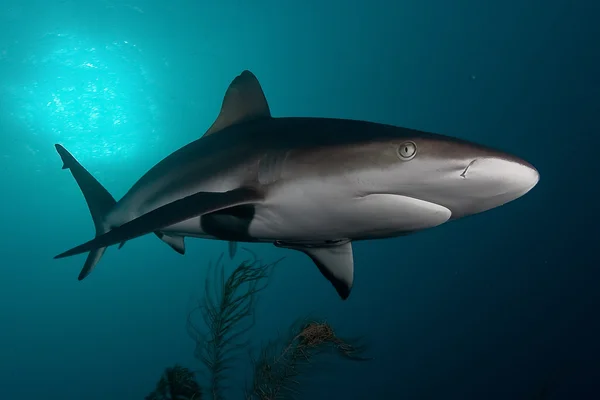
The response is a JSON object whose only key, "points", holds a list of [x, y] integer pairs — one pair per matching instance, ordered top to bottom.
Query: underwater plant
{"points": [[227, 311], [227, 314], [279, 365], [176, 383]]}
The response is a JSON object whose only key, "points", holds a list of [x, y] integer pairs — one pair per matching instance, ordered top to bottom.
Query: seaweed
{"points": [[227, 311], [227, 314], [176, 383]]}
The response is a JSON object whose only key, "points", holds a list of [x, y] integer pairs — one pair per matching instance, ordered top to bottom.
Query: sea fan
{"points": [[227, 314], [277, 369]]}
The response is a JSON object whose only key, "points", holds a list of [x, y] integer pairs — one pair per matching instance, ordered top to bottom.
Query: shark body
{"points": [[309, 184]]}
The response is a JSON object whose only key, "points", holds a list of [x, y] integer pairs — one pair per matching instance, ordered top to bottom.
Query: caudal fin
{"points": [[99, 201]]}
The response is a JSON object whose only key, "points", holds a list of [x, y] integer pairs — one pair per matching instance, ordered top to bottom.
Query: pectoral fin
{"points": [[180, 210], [177, 243], [334, 260]]}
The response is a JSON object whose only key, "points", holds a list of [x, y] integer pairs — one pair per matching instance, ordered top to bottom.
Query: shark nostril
{"points": [[464, 173]]}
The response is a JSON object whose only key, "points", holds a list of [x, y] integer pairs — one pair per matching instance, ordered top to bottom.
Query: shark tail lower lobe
{"points": [[98, 199]]}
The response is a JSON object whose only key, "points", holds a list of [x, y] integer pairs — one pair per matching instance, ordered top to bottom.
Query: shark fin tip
{"points": [[244, 100], [65, 156], [342, 290]]}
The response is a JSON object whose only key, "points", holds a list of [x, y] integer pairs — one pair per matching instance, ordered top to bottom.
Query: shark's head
{"points": [[464, 177]]}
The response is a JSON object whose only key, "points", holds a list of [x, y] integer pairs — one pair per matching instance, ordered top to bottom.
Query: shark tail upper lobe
{"points": [[100, 202]]}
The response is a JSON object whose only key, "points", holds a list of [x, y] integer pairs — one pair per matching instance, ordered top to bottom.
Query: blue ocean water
{"points": [[502, 305]]}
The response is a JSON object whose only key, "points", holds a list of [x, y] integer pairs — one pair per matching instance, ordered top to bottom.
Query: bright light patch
{"points": [[94, 99]]}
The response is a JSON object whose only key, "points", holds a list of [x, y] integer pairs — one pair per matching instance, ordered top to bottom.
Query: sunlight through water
{"points": [[94, 98]]}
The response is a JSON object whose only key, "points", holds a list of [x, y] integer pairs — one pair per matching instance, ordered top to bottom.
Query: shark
{"points": [[313, 185]]}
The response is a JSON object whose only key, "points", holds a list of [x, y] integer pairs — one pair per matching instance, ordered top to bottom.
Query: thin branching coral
{"points": [[227, 313], [277, 369], [176, 383]]}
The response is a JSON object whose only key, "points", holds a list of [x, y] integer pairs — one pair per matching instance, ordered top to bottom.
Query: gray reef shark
{"points": [[308, 184]]}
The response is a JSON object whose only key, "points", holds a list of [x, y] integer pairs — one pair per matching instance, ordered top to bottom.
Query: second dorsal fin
{"points": [[244, 100]]}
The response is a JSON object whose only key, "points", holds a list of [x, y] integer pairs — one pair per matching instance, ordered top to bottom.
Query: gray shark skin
{"points": [[310, 184]]}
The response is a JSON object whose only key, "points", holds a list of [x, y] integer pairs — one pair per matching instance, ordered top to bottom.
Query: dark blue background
{"points": [[496, 306]]}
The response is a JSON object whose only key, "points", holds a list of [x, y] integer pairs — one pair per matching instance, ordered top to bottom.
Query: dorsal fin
{"points": [[244, 100]]}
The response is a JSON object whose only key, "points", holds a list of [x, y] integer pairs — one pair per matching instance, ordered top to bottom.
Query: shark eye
{"points": [[407, 151]]}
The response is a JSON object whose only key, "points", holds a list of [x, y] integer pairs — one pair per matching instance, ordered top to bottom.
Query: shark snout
{"points": [[502, 176], [494, 181], [482, 183]]}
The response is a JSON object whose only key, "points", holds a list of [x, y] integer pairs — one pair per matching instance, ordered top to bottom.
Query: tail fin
{"points": [[99, 201]]}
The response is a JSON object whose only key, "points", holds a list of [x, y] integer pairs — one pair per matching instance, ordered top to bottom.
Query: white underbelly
{"points": [[299, 215], [191, 227]]}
